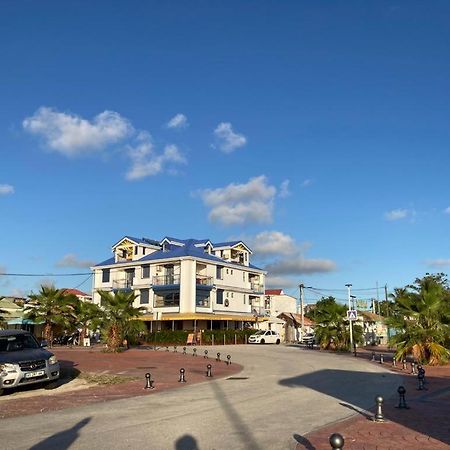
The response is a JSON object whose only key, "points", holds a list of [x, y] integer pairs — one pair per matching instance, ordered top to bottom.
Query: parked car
{"points": [[264, 337], [308, 339], [23, 361]]}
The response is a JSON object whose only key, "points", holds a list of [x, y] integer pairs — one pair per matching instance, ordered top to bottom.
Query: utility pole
{"points": [[349, 287], [302, 312]]}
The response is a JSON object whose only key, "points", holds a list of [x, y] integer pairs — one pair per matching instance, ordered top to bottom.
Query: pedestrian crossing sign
{"points": [[352, 314]]}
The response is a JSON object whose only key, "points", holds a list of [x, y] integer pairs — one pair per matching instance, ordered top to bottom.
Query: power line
{"points": [[44, 274], [81, 284]]}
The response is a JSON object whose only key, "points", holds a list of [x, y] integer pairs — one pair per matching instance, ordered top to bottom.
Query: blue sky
{"points": [[319, 132]]}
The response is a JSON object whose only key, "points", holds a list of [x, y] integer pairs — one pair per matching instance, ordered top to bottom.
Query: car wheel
{"points": [[262, 341], [278, 342], [1, 392]]}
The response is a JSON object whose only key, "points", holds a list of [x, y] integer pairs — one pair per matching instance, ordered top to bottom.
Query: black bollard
{"points": [[167, 349], [175, 349], [184, 350], [194, 352], [206, 354], [218, 356], [373, 356], [381, 358], [228, 360], [394, 361], [404, 364], [413, 368], [208, 370], [423, 371], [420, 377], [182, 379], [148, 381], [402, 402], [379, 414], [337, 441]]}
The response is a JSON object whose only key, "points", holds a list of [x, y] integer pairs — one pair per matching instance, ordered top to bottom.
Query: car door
{"points": [[270, 337]]}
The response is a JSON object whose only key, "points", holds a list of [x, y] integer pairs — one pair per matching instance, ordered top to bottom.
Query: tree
{"points": [[52, 307], [2, 313], [88, 317], [119, 317], [421, 319], [332, 327]]}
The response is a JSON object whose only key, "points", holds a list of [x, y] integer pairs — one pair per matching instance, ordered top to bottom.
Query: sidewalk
{"points": [[164, 368], [425, 426]]}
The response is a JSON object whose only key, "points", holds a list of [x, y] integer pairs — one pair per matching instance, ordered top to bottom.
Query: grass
{"points": [[104, 379]]}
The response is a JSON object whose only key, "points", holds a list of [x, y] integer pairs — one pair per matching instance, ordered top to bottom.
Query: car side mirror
{"points": [[44, 344]]}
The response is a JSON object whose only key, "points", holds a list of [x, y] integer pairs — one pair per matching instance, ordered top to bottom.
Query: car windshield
{"points": [[258, 333], [17, 343]]}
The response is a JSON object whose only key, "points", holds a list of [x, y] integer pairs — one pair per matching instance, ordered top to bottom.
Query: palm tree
{"points": [[52, 307], [2, 313], [88, 316], [119, 317], [421, 318], [332, 330]]}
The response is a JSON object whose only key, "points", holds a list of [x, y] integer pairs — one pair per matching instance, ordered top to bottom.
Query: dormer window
{"points": [[165, 247], [136, 250]]}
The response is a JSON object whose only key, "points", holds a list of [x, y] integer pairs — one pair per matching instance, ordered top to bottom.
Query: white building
{"points": [[185, 284]]}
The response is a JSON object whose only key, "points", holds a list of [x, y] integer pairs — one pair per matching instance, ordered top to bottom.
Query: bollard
{"points": [[235, 339], [212, 340], [224, 340], [167, 349], [175, 349], [184, 350], [194, 352], [206, 354], [218, 356], [373, 356], [381, 358], [228, 360], [394, 361], [404, 364], [413, 368], [421, 369], [208, 370], [420, 377], [182, 379], [148, 381], [402, 402], [379, 414], [337, 441]]}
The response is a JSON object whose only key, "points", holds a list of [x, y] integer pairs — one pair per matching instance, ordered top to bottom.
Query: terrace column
{"points": [[187, 286]]}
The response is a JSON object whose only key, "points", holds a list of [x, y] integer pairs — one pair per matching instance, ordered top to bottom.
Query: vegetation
{"points": [[52, 307], [88, 317], [421, 318], [119, 319], [332, 327], [179, 337]]}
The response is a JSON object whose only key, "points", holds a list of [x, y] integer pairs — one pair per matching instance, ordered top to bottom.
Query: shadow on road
{"points": [[62, 440], [186, 442], [304, 442]]}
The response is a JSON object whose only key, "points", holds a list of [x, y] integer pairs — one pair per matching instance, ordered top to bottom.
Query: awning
{"points": [[203, 316], [20, 321]]}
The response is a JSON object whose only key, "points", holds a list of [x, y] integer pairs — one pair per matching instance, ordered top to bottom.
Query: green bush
{"points": [[169, 337]]}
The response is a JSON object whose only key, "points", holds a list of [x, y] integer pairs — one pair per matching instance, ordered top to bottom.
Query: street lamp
{"points": [[349, 287]]}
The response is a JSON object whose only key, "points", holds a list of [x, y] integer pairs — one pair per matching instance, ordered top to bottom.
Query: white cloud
{"points": [[178, 121], [72, 135], [227, 140], [146, 162], [306, 183], [6, 189], [284, 189], [238, 204], [447, 210], [397, 214], [273, 243], [71, 260], [439, 262], [299, 265], [2, 269], [276, 282]]}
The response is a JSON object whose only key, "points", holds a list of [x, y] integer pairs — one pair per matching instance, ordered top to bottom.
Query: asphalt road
{"points": [[282, 393]]}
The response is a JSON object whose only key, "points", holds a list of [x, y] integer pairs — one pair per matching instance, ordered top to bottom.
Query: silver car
{"points": [[23, 361]]}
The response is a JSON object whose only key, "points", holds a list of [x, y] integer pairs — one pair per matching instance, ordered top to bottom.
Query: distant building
{"points": [[185, 284], [80, 294]]}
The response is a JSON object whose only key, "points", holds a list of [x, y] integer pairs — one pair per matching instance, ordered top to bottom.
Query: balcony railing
{"points": [[166, 280], [203, 280], [122, 284], [256, 287]]}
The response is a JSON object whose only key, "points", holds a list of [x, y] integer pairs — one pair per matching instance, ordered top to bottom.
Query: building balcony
{"points": [[166, 280], [203, 282], [122, 285], [257, 287]]}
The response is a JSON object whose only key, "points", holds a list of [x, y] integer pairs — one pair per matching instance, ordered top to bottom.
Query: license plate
{"points": [[38, 373]]}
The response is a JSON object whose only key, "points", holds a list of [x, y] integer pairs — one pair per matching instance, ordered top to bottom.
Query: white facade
{"points": [[182, 277]]}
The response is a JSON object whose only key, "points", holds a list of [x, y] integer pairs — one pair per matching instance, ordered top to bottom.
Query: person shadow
{"points": [[62, 440], [186, 442]]}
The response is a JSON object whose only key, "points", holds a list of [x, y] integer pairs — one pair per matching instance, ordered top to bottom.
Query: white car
{"points": [[264, 337]]}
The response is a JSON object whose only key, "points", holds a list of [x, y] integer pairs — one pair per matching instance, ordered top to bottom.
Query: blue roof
{"points": [[139, 240], [226, 244], [106, 262]]}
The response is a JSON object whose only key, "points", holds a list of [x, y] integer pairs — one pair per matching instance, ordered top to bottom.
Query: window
{"points": [[136, 250], [143, 250], [245, 257], [146, 271], [231, 271], [219, 272], [227, 272], [105, 275], [243, 276], [232, 295], [144, 296], [219, 297], [245, 298], [167, 299], [202, 299]]}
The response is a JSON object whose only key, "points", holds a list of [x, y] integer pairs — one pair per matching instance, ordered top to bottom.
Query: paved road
{"points": [[282, 392]]}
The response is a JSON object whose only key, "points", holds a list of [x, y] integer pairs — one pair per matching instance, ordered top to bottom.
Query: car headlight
{"points": [[52, 360], [6, 368]]}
